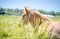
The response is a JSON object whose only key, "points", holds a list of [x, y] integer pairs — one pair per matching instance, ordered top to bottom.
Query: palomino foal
{"points": [[53, 27]]}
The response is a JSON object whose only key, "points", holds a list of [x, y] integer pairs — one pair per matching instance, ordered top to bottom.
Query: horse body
{"points": [[54, 30]]}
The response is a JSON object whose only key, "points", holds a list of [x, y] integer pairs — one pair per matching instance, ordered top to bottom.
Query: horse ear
{"points": [[26, 10]]}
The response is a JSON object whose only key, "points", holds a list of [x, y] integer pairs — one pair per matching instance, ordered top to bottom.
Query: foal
{"points": [[53, 27]]}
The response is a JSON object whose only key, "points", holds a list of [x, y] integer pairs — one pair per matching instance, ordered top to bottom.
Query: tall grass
{"points": [[12, 27]]}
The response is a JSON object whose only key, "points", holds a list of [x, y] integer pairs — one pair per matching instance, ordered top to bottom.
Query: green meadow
{"points": [[12, 27]]}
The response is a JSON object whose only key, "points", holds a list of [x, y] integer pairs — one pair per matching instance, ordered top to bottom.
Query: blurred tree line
{"points": [[11, 11], [20, 12], [50, 12]]}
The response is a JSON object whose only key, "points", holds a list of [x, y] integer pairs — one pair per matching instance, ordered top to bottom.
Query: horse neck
{"points": [[45, 18]]}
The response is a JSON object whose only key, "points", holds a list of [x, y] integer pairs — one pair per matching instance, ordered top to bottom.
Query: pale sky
{"points": [[48, 5]]}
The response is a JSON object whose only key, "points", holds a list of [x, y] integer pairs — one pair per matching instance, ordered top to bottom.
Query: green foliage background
{"points": [[12, 27]]}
